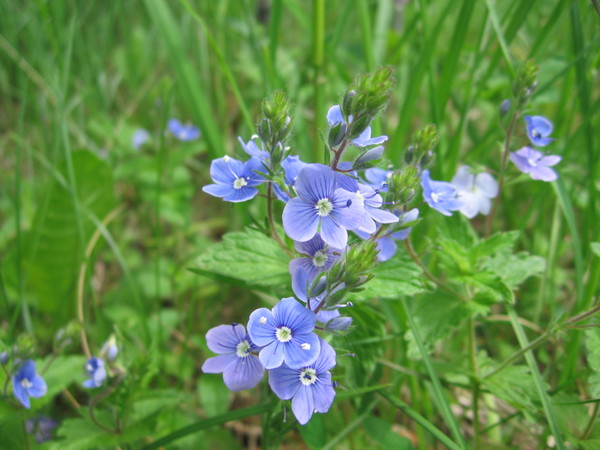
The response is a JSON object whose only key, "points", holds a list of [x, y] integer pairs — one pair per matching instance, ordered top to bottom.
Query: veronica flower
{"points": [[334, 115], [538, 130], [183, 132], [139, 138], [251, 147], [535, 163], [292, 165], [378, 178], [235, 181], [475, 191], [440, 195], [372, 203], [320, 204], [386, 244], [319, 257], [301, 284], [286, 333], [110, 348], [240, 367], [96, 371], [27, 383], [310, 387], [41, 427]]}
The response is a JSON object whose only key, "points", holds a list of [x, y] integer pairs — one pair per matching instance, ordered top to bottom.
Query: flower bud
{"points": [[505, 107], [337, 133], [368, 159], [341, 323]]}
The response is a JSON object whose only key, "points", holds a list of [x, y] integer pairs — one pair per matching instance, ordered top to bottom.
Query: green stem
{"points": [[271, 219], [537, 378], [475, 381], [590, 425]]}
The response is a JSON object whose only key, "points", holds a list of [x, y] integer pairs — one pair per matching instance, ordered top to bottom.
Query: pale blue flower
{"points": [[538, 130], [183, 132], [139, 138], [533, 162], [235, 181], [475, 190], [440, 195], [237, 361], [96, 370], [27, 383], [309, 387]]}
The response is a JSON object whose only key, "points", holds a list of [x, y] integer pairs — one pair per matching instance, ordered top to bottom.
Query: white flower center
{"points": [[535, 133], [532, 162], [239, 183], [359, 196], [435, 197], [324, 207], [319, 259], [283, 334], [305, 346], [242, 349], [89, 367], [308, 376], [26, 383]]}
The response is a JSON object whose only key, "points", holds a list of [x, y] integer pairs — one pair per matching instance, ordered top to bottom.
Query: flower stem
{"points": [[506, 151], [338, 154], [274, 233], [475, 382]]}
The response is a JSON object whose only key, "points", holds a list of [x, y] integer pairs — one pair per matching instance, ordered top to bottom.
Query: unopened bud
{"points": [[505, 107], [341, 323]]}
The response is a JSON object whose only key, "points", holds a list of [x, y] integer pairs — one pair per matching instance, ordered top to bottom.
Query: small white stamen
{"points": [[226, 158], [532, 162], [239, 183], [435, 197], [324, 207], [263, 320], [283, 334], [305, 346], [242, 349], [89, 367], [26, 383]]}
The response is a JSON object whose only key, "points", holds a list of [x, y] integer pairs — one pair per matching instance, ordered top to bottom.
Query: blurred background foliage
{"points": [[83, 214]]}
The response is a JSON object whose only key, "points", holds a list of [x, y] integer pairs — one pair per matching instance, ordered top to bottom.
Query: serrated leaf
{"points": [[496, 243], [248, 256], [454, 257], [514, 268], [398, 277], [491, 288], [436, 315]]}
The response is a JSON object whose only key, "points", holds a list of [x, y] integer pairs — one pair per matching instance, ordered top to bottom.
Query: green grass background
{"points": [[80, 75]]}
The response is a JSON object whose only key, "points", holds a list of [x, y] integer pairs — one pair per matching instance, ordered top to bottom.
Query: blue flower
{"points": [[334, 115], [538, 130], [183, 132], [139, 138], [251, 148], [535, 163], [292, 165], [378, 178], [235, 181], [475, 190], [440, 195], [372, 203], [321, 204], [386, 244], [319, 257], [286, 333], [110, 348], [240, 367], [96, 371], [27, 383], [310, 387], [41, 427]]}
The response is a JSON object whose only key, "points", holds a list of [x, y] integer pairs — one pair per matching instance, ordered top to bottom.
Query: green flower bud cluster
{"points": [[525, 83], [275, 125]]}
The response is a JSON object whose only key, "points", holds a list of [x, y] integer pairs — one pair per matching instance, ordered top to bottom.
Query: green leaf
{"points": [[499, 242], [54, 244], [595, 248], [247, 256], [515, 268], [398, 277], [491, 288], [436, 315], [593, 358], [63, 371], [213, 394], [313, 432], [381, 433]]}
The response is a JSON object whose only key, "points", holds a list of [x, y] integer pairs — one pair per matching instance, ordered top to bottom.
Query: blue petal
{"points": [[334, 115], [365, 139], [224, 170], [543, 173], [315, 182], [218, 190], [241, 195], [300, 219], [334, 234], [311, 246], [387, 247], [288, 312], [262, 333], [225, 338], [272, 355], [297, 357], [326, 359], [218, 364], [244, 373], [284, 382], [20, 392], [323, 393], [303, 404]]}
